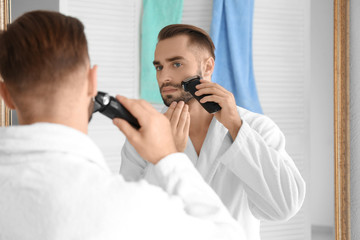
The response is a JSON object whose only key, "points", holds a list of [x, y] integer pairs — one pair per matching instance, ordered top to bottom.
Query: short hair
{"points": [[197, 36], [40, 49]]}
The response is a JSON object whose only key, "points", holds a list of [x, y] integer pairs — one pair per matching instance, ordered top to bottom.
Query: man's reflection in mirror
{"points": [[239, 153]]}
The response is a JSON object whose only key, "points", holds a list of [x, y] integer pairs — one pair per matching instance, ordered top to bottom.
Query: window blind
{"points": [[112, 29], [281, 52]]}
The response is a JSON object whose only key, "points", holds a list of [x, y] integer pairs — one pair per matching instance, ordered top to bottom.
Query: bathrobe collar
{"points": [[48, 137]]}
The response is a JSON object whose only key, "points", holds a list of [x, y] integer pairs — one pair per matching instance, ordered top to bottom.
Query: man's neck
{"points": [[68, 118], [200, 121]]}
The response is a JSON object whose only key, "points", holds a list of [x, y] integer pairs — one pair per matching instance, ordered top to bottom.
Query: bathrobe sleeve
{"points": [[132, 166], [274, 187]]}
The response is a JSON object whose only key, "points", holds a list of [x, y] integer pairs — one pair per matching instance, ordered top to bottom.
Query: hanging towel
{"points": [[156, 15], [231, 31]]}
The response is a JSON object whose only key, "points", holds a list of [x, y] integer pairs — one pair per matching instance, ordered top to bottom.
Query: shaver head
{"points": [[188, 80], [189, 85], [101, 101], [112, 108]]}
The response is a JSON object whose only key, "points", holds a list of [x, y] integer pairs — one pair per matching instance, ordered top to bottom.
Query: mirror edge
{"points": [[5, 17], [341, 120]]}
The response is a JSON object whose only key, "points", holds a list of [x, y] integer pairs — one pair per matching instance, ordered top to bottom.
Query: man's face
{"points": [[174, 62]]}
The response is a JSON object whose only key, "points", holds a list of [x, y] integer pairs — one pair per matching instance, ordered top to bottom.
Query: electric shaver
{"points": [[189, 85], [112, 108]]}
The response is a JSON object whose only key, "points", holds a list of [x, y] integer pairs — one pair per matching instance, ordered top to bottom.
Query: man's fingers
{"points": [[207, 84], [211, 90], [213, 98], [134, 109], [140, 109], [170, 110], [176, 114], [183, 117], [187, 123], [130, 132], [154, 140]]}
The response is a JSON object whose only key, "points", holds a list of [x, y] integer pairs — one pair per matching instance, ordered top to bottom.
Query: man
{"points": [[240, 154], [54, 182]]}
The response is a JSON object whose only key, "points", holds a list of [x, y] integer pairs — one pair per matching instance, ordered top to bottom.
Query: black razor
{"points": [[189, 85], [112, 108]]}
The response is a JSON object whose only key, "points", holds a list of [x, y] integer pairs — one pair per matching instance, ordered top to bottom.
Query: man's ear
{"points": [[208, 67], [92, 87], [4, 93]]}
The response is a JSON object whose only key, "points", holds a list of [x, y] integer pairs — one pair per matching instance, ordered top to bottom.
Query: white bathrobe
{"points": [[253, 175], [54, 184]]}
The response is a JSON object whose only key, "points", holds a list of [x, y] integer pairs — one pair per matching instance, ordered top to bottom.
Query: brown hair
{"points": [[197, 36], [39, 50]]}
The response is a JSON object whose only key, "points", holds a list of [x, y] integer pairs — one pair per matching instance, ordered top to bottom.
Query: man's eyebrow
{"points": [[174, 58], [155, 62]]}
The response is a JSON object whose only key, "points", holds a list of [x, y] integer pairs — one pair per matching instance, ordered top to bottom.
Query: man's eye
{"points": [[177, 65], [158, 68]]}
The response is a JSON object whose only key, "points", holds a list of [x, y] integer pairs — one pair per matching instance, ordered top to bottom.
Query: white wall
{"points": [[18, 7], [355, 116]]}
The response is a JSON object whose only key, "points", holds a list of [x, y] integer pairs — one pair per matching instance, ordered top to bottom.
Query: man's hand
{"points": [[228, 114], [179, 117], [154, 140]]}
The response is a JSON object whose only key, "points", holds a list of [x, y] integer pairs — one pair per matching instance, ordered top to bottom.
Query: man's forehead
{"points": [[179, 40], [174, 48]]}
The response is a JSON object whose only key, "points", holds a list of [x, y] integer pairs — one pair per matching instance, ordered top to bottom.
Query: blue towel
{"points": [[156, 15], [231, 31]]}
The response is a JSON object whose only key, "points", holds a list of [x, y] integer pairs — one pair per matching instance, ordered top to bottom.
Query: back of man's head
{"points": [[39, 52]]}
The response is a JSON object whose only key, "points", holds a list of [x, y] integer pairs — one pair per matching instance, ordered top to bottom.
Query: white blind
{"points": [[198, 13], [112, 29], [281, 52]]}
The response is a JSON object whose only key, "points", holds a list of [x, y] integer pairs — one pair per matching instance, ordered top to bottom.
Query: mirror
{"points": [[309, 36]]}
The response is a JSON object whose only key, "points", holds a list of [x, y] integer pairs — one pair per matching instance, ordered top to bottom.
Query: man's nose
{"points": [[164, 76]]}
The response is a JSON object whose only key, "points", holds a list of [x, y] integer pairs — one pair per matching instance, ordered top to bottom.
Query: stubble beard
{"points": [[184, 96], [169, 98]]}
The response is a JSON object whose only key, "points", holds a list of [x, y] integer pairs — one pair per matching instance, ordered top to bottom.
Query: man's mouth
{"points": [[168, 90]]}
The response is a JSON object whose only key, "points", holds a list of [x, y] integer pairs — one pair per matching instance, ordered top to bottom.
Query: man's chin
{"points": [[169, 99], [167, 102]]}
